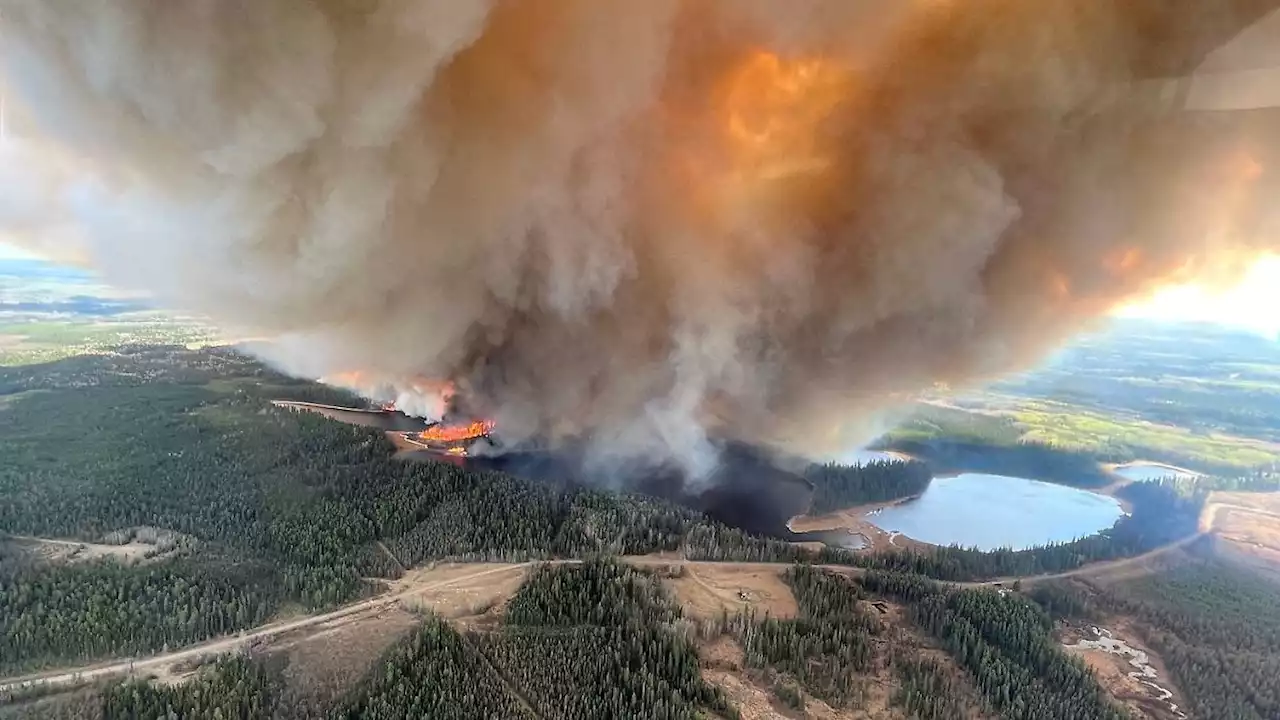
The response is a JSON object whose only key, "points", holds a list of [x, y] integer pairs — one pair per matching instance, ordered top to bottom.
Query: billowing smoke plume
{"points": [[646, 223]]}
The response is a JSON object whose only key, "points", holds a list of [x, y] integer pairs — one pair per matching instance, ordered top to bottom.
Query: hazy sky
{"points": [[8, 252], [1253, 304]]}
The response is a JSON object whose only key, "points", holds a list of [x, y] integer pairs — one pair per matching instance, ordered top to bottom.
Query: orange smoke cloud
{"points": [[774, 109], [643, 223]]}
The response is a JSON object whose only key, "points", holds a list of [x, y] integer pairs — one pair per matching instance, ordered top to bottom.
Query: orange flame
{"points": [[456, 433]]}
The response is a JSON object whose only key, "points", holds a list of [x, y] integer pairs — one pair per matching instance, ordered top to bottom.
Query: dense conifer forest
{"points": [[188, 441], [1021, 459], [837, 486], [275, 505], [267, 508], [80, 613], [1216, 627], [607, 632], [611, 634], [1002, 642], [1005, 643], [827, 649], [436, 674], [234, 687], [926, 691]]}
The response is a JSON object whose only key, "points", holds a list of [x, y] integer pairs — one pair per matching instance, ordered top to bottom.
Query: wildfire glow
{"points": [[773, 110], [1249, 304], [352, 379], [456, 433]]}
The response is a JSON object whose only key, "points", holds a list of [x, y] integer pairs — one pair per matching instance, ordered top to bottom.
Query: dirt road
{"points": [[1211, 513], [1207, 518], [1091, 568], [266, 632], [156, 664], [76, 676]]}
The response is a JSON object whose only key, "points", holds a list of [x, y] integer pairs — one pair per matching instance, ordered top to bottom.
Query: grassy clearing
{"points": [[26, 343], [1072, 428], [1113, 436]]}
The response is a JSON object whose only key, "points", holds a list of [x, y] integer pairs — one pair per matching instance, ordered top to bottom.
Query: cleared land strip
{"points": [[1211, 513], [1091, 568], [155, 663], [88, 673]]}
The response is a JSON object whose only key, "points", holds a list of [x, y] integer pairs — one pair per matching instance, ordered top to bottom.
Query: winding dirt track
{"points": [[1211, 513], [1207, 518], [1096, 568], [156, 663], [87, 673]]}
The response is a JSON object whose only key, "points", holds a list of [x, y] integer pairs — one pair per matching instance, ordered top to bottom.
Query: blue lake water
{"points": [[1146, 472], [994, 511], [839, 538]]}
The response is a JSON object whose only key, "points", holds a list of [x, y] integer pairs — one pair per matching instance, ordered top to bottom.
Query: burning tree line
{"points": [[442, 433]]}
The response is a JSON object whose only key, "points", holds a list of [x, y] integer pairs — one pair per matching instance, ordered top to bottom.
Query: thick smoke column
{"points": [[643, 222]]}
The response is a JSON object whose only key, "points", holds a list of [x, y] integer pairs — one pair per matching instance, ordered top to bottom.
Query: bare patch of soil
{"points": [[1266, 502], [856, 521], [1248, 528], [1245, 529], [71, 551], [1262, 561], [1109, 573], [705, 590], [471, 595], [722, 653], [325, 664], [1114, 671], [751, 690], [752, 701], [755, 701], [78, 704]]}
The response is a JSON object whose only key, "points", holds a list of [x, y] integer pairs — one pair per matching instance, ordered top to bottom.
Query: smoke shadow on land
{"points": [[747, 490]]}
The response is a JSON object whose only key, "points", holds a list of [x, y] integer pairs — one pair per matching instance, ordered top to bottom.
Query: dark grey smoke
{"points": [[645, 224]]}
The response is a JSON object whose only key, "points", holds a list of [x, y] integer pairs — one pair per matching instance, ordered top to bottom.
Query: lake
{"points": [[1147, 471], [994, 511], [837, 538]]}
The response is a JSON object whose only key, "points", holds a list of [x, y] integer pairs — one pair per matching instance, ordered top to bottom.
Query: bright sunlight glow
{"points": [[1253, 303]]}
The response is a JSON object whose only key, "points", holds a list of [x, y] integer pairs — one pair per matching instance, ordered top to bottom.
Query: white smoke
{"points": [[645, 223]]}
